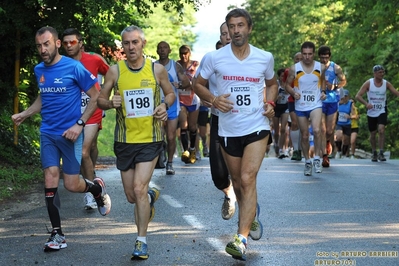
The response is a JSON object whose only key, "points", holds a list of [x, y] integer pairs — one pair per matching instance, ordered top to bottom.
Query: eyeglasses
{"points": [[71, 43]]}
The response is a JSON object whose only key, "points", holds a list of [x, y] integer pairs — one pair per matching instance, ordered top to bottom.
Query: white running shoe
{"points": [[317, 166], [308, 169], [90, 202]]}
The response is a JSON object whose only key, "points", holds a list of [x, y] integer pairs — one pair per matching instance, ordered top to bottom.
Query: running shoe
{"points": [[205, 151], [281, 155], [294, 155], [338, 155], [198, 156], [185, 157], [193, 157], [375, 157], [381, 157], [326, 161], [317, 166], [169, 169], [308, 169], [154, 195], [103, 200], [90, 202], [228, 208], [256, 230], [55, 242], [237, 249], [140, 251]]}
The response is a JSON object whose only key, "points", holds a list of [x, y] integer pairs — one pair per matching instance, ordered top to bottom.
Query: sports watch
{"points": [[80, 122]]}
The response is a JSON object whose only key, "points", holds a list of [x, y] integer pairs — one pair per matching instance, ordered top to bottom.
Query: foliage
{"points": [[100, 22], [361, 33]]}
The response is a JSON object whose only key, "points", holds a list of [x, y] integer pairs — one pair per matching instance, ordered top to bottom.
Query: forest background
{"points": [[361, 34]]}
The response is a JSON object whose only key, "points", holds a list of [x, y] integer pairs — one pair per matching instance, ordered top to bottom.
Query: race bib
{"points": [[245, 100], [85, 102], [139, 103], [342, 117]]}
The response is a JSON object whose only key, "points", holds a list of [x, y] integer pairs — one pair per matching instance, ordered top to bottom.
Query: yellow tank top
{"points": [[140, 94], [355, 122]]}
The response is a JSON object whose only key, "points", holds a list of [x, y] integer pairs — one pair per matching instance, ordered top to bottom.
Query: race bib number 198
{"points": [[139, 103]]}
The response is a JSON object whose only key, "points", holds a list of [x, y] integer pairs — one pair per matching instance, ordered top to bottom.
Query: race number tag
{"points": [[308, 97], [245, 100], [85, 102], [139, 103], [342, 117]]}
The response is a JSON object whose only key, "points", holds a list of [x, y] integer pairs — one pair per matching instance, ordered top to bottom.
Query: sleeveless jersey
{"points": [[172, 73], [332, 78], [244, 81], [309, 86], [60, 88], [140, 94], [282, 95], [377, 96], [188, 97], [343, 110], [355, 122]]}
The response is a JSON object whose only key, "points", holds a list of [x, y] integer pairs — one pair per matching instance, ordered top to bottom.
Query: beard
{"points": [[50, 58]]}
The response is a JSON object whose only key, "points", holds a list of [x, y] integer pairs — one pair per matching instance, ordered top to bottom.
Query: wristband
{"points": [[214, 99], [271, 103]]}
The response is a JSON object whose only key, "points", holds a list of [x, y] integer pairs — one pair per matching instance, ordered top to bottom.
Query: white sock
{"points": [[295, 138], [142, 239]]}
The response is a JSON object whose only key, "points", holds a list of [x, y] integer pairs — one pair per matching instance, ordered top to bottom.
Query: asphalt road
{"points": [[344, 216]]}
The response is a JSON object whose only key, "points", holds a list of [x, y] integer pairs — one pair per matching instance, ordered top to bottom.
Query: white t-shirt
{"points": [[244, 81]]}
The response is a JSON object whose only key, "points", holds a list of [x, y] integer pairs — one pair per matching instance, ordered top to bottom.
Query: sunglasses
{"points": [[71, 43]]}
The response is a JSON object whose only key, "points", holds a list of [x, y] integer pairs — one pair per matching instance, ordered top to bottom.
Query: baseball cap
{"points": [[378, 68], [346, 93]]}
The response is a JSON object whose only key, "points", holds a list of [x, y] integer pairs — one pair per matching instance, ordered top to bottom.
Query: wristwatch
{"points": [[80, 122]]}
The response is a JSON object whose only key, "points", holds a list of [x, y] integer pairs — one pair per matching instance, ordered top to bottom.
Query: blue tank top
{"points": [[331, 77], [60, 88], [343, 111]]}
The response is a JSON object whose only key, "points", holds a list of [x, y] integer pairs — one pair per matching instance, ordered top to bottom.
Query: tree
{"points": [[100, 22], [361, 33]]}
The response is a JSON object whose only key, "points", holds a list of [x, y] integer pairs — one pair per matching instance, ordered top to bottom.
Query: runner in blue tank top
{"points": [[335, 79]]}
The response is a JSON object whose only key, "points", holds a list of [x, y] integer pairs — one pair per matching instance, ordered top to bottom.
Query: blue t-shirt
{"points": [[60, 88]]}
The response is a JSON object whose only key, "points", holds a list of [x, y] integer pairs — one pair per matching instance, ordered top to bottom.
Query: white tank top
{"points": [[308, 85], [377, 96]]}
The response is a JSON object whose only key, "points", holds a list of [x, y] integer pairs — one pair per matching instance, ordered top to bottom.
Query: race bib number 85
{"points": [[245, 99], [139, 103]]}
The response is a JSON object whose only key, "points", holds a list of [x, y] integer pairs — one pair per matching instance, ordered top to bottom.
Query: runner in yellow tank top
{"points": [[139, 112]]}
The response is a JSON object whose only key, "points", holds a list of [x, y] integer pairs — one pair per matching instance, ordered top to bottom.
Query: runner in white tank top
{"points": [[308, 76], [377, 117]]}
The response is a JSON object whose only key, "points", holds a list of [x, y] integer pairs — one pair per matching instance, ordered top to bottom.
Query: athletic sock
{"points": [[193, 137], [184, 139], [295, 139], [93, 188], [53, 206], [142, 239]]}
